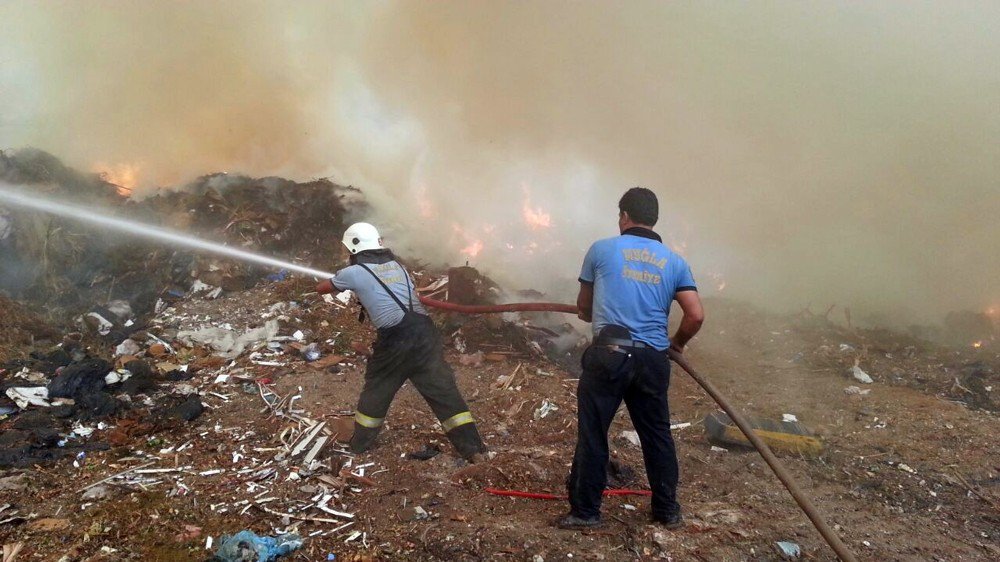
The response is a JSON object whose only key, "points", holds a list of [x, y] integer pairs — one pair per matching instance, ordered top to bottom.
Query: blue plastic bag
{"points": [[246, 546]]}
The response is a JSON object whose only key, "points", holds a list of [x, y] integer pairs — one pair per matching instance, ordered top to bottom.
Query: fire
{"points": [[124, 176], [534, 217], [473, 245], [473, 249], [977, 344]]}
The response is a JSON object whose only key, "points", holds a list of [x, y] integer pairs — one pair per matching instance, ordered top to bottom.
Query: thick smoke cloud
{"points": [[822, 152]]}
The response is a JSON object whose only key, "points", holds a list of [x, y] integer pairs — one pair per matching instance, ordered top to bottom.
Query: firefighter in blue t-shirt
{"points": [[627, 286]]}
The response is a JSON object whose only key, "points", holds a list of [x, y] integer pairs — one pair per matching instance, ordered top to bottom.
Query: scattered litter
{"points": [[127, 347], [311, 352], [860, 375], [856, 390], [24, 396], [545, 409], [789, 418], [682, 425], [632, 437], [716, 449], [906, 468], [97, 493], [247, 546], [788, 550]]}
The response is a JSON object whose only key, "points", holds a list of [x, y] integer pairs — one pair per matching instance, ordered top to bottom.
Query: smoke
{"points": [[820, 152]]}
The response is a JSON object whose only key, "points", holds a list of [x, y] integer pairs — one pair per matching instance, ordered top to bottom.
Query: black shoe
{"points": [[672, 521], [574, 523]]}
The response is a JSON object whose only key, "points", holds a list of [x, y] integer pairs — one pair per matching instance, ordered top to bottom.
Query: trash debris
{"points": [[226, 342], [127, 347], [311, 352], [860, 375], [856, 390], [24, 396], [545, 409], [188, 410], [789, 418], [785, 436], [632, 437], [429, 452], [97, 493], [247, 546], [788, 550]]}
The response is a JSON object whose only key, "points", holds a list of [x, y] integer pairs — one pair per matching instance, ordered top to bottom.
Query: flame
{"points": [[123, 176], [534, 217], [473, 245], [473, 249], [977, 344]]}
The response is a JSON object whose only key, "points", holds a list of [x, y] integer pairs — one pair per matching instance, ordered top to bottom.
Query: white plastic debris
{"points": [[345, 297], [103, 326], [299, 335], [226, 341], [127, 347], [860, 375], [115, 377], [221, 379], [857, 390], [24, 396], [545, 409], [789, 418], [680, 425], [632, 437], [716, 449], [906, 468]]}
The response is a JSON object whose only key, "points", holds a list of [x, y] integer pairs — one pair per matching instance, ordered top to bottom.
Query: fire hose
{"points": [[800, 498]]}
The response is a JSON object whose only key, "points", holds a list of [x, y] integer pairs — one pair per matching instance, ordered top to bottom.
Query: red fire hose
{"points": [[496, 308], [800, 498]]}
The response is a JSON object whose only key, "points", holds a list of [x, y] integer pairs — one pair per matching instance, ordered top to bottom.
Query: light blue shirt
{"points": [[635, 281], [383, 310]]}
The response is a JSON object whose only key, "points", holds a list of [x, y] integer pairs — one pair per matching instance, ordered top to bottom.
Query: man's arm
{"points": [[585, 302], [694, 315]]}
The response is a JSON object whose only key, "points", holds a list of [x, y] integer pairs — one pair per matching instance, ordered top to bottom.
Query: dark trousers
{"points": [[412, 350], [641, 379]]}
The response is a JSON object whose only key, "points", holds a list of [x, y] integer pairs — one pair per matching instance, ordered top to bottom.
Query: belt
{"points": [[623, 343]]}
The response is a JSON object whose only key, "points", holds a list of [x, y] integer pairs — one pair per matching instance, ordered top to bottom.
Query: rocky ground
{"points": [[910, 470]]}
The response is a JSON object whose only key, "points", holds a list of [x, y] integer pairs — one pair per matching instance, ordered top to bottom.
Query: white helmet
{"points": [[362, 236]]}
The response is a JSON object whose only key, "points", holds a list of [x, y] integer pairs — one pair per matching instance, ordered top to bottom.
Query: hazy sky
{"points": [[803, 152]]}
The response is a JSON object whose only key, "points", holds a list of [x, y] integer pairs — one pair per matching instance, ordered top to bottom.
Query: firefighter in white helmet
{"points": [[408, 346]]}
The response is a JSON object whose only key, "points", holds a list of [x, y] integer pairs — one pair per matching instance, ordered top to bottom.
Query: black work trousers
{"points": [[412, 350], [641, 378]]}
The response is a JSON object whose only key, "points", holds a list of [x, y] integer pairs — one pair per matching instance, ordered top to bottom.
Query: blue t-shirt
{"points": [[635, 280]]}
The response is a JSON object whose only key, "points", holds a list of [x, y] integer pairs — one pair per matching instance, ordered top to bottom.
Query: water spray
{"points": [[105, 219]]}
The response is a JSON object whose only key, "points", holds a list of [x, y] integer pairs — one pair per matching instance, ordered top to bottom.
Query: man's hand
{"points": [[324, 287], [585, 302], [679, 349]]}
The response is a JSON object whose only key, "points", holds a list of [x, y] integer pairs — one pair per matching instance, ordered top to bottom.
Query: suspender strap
{"points": [[388, 290]]}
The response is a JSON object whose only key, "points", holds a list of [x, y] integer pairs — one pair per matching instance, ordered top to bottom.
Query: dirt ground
{"points": [[911, 471]]}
